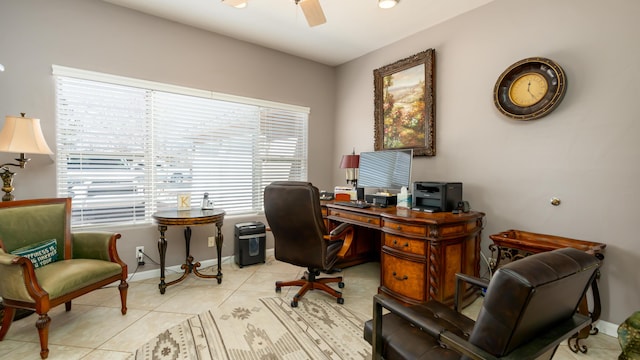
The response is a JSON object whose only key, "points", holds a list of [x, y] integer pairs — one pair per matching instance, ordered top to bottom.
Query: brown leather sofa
{"points": [[528, 310]]}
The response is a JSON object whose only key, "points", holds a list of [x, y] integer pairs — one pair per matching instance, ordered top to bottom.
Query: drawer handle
{"points": [[369, 221], [398, 227], [395, 243], [400, 278]]}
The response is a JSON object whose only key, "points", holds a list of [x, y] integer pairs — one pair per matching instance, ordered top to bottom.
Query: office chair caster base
{"points": [[341, 285], [340, 301], [294, 304]]}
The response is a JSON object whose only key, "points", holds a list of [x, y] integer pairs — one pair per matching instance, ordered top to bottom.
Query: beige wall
{"points": [[98, 36], [585, 153]]}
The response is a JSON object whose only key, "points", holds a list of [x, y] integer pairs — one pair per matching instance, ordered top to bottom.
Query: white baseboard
{"points": [[155, 273], [607, 328]]}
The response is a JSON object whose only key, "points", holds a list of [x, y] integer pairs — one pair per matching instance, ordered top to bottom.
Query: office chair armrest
{"points": [[340, 231], [344, 232], [538, 345]]}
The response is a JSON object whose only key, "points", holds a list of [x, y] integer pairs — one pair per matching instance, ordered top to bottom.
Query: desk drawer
{"points": [[362, 218], [409, 229], [404, 244], [404, 277]]}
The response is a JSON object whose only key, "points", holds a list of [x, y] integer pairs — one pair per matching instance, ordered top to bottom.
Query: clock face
{"points": [[530, 89]]}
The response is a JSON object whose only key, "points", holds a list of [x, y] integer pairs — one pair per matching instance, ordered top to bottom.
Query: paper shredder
{"points": [[249, 243]]}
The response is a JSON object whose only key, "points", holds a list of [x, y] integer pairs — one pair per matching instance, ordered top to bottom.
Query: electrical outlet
{"points": [[212, 241], [140, 255]]}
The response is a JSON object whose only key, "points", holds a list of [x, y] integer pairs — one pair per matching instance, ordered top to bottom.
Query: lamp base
{"points": [[7, 184]]}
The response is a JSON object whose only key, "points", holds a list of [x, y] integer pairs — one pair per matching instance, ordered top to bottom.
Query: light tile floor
{"points": [[95, 329]]}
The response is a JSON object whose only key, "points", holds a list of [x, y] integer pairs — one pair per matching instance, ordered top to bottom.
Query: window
{"points": [[126, 147]]}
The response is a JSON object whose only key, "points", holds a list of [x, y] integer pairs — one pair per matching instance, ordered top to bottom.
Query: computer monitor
{"points": [[385, 169]]}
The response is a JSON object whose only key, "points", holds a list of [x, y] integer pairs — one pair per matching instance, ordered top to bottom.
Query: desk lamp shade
{"points": [[20, 135], [351, 164]]}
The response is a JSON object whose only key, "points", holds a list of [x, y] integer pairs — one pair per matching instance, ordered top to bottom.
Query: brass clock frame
{"points": [[509, 89]]}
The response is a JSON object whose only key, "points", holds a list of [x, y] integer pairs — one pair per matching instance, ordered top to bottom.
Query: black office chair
{"points": [[294, 216], [529, 309]]}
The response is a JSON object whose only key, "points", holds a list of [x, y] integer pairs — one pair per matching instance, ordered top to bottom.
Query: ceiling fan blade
{"points": [[313, 12]]}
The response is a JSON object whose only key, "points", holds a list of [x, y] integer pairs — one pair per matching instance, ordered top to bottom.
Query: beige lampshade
{"points": [[23, 135]]}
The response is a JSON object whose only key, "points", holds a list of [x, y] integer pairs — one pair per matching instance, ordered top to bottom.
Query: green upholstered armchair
{"points": [[43, 265]]}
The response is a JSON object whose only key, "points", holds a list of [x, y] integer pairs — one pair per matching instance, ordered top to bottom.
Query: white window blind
{"points": [[126, 148]]}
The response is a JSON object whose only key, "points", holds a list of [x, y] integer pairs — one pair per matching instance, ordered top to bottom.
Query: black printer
{"points": [[436, 196]]}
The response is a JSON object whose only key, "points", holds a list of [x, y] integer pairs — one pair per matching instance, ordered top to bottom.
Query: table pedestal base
{"points": [[189, 266]]}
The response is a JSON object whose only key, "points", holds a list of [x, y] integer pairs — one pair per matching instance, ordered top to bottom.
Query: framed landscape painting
{"points": [[404, 99]]}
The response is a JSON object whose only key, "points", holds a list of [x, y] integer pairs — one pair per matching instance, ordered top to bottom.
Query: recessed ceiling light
{"points": [[238, 4], [387, 4]]}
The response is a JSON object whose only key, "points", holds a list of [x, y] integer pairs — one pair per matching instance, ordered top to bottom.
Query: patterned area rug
{"points": [[316, 329]]}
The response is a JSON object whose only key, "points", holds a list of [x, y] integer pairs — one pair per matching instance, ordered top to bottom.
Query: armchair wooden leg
{"points": [[123, 287], [6, 321], [43, 331]]}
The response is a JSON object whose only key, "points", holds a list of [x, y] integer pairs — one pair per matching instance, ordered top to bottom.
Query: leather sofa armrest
{"points": [[99, 245], [460, 280], [479, 282], [381, 301], [532, 350]]}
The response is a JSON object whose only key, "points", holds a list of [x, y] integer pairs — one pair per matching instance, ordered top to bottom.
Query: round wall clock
{"points": [[530, 89]]}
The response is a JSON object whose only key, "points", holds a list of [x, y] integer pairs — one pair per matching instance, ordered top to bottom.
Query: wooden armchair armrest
{"points": [[344, 232], [99, 245], [18, 278]]}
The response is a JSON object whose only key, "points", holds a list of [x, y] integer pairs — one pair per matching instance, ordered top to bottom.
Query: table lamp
{"points": [[19, 135], [351, 163]]}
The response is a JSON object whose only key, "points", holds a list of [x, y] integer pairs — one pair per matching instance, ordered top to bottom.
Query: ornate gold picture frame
{"points": [[404, 99]]}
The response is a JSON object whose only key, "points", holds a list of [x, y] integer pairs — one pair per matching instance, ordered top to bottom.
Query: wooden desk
{"points": [[187, 218], [512, 245], [419, 252]]}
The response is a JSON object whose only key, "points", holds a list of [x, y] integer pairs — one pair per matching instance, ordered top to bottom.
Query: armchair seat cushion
{"points": [[65, 276], [404, 341]]}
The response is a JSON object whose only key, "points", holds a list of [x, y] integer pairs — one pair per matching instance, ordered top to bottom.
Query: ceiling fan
{"points": [[310, 8]]}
